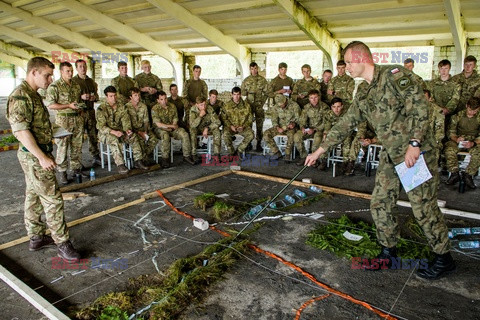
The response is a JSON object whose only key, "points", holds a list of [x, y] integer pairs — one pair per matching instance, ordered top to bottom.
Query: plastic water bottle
{"points": [[361, 153], [92, 174], [315, 189], [299, 193], [290, 199], [273, 205], [253, 212], [462, 231], [469, 244]]}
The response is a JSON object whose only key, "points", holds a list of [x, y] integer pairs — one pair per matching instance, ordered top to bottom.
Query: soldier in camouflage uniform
{"points": [[409, 64], [326, 77], [469, 81], [123, 83], [149, 84], [281, 84], [341, 86], [255, 87], [302, 87], [193, 88], [445, 91], [89, 95], [63, 96], [213, 102], [180, 103], [138, 113], [285, 115], [237, 118], [165, 120], [204, 121], [437, 122], [310, 124], [31, 125], [402, 127], [115, 128], [464, 135]]}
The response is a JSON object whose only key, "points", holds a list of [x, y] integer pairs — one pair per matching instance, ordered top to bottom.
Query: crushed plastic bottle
{"points": [[92, 174], [316, 189], [299, 193], [290, 199], [273, 205], [253, 212], [469, 244]]}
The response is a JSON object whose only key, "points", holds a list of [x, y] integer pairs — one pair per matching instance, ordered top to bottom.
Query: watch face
{"points": [[414, 143]]}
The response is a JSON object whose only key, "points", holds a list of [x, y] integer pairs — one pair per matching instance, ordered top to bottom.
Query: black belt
{"points": [[47, 148]]}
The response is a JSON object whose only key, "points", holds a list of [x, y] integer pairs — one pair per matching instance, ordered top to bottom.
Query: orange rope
{"points": [[289, 264], [299, 311]]}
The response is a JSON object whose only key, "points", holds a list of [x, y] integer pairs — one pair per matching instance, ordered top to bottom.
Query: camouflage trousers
{"points": [[259, 115], [90, 125], [177, 134], [247, 135], [269, 136], [299, 137], [217, 139], [71, 145], [149, 145], [116, 146], [350, 148], [451, 150], [42, 195], [423, 200]]}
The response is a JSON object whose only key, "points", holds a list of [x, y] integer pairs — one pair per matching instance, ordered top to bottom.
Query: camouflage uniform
{"points": [[148, 80], [419, 80], [278, 83], [88, 85], [123, 86], [303, 86], [342, 87], [468, 87], [255, 88], [193, 89], [323, 91], [445, 93], [181, 104], [395, 106], [217, 107], [25, 111], [168, 115], [239, 115], [281, 118], [312, 118], [117, 119], [71, 120], [141, 123], [198, 124], [437, 125], [469, 129], [350, 145]]}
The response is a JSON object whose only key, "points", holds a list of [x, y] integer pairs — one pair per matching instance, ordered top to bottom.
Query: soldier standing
{"points": [[409, 64], [326, 77], [469, 81], [123, 83], [149, 84], [281, 84], [341, 86], [255, 87], [302, 87], [193, 88], [445, 91], [89, 95], [63, 96], [180, 103], [30, 124], [402, 127]]}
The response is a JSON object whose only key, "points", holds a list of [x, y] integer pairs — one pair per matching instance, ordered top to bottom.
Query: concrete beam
{"points": [[452, 9], [310, 26], [143, 40], [227, 43], [17, 51], [22, 63]]}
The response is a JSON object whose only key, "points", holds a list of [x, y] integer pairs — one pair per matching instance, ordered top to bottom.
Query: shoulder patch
{"points": [[396, 70], [404, 82]]}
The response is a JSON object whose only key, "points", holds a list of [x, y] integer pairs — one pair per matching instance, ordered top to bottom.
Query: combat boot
{"points": [[288, 158], [195, 159], [189, 160], [97, 161], [301, 162], [165, 163], [140, 165], [322, 165], [349, 168], [122, 169], [63, 178], [454, 178], [469, 181], [39, 242], [66, 251], [383, 261], [442, 264]]}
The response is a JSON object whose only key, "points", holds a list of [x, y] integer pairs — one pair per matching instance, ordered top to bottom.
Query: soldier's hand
{"points": [[330, 92], [85, 96], [73, 106], [445, 111], [202, 113], [174, 126], [233, 128], [280, 130], [117, 133], [205, 133], [411, 156], [312, 158], [47, 163]]}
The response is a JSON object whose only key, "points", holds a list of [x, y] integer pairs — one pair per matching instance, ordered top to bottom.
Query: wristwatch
{"points": [[414, 143]]}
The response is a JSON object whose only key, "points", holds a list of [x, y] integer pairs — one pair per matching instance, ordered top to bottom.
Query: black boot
{"points": [[454, 178], [469, 181], [383, 261], [441, 265]]}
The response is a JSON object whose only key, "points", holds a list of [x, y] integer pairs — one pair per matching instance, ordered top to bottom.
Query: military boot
{"points": [[97, 160], [189, 160], [301, 161], [165, 163], [140, 165], [322, 165], [349, 167], [122, 169], [454, 178], [63, 179], [469, 181], [39, 242], [66, 251], [383, 260], [441, 265]]}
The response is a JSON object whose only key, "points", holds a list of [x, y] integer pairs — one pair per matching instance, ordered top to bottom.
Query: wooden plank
{"points": [[73, 195], [31, 296]]}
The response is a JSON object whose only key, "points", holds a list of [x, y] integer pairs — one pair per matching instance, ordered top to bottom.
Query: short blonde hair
{"points": [[144, 62]]}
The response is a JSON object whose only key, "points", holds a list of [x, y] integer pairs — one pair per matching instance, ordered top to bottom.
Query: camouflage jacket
{"points": [[148, 80], [419, 80], [278, 83], [87, 85], [123, 86], [302, 87], [342, 87], [468, 87], [193, 89], [255, 89], [63, 93], [445, 93], [179, 103], [395, 106], [217, 107], [26, 111], [166, 115], [239, 115], [138, 116], [282, 117], [312, 117], [112, 119], [330, 119], [209, 120], [437, 121], [461, 125], [365, 131]]}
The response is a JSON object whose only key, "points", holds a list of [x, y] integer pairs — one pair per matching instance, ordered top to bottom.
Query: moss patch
{"points": [[205, 201], [223, 210]]}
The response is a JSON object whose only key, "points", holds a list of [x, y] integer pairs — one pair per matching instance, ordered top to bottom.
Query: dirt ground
{"points": [[150, 237]]}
